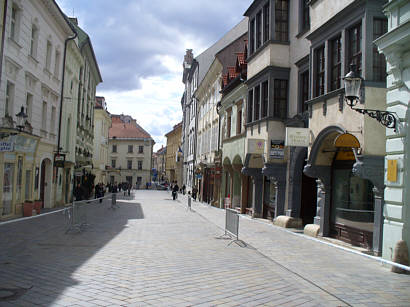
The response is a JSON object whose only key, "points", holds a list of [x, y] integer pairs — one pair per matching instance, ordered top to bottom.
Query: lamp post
{"points": [[353, 83], [21, 118]]}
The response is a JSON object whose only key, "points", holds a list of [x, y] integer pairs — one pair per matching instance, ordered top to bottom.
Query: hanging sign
{"points": [[297, 137], [256, 146], [277, 149]]}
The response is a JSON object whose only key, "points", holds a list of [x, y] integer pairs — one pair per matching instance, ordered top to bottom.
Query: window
{"points": [[304, 16], [281, 20], [15, 23], [266, 23], [258, 29], [252, 36], [34, 41], [355, 48], [48, 56], [379, 61], [336, 63], [57, 64], [320, 71], [304, 90], [280, 98], [265, 99], [256, 103], [250, 105], [29, 106], [9, 108], [44, 116], [53, 119], [239, 120], [228, 123], [114, 148], [130, 148], [140, 149], [113, 163], [129, 164], [139, 165]]}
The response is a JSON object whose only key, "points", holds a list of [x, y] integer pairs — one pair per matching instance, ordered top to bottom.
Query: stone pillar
{"points": [[244, 192], [257, 195], [280, 197], [323, 208], [378, 221]]}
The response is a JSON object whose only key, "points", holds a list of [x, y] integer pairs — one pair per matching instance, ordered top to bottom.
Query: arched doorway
{"points": [[45, 183]]}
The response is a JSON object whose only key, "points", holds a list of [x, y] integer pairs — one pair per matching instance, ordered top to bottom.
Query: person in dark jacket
{"points": [[175, 190]]}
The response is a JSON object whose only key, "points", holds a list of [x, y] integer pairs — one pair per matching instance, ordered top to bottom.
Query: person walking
{"points": [[175, 190], [194, 192]]}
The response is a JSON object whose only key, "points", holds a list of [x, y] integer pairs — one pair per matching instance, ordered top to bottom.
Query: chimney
{"points": [[189, 56]]}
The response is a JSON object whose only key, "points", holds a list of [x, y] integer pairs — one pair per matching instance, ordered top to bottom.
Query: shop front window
{"points": [[7, 188], [352, 202]]}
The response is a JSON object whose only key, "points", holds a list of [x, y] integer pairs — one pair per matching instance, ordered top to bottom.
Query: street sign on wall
{"points": [[6, 146], [256, 146], [277, 149]]}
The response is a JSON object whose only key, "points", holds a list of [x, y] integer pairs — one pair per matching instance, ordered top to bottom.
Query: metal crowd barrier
{"points": [[77, 212], [232, 223]]}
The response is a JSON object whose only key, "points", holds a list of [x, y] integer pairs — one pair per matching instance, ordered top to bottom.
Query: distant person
{"points": [[183, 189], [175, 190], [194, 192]]}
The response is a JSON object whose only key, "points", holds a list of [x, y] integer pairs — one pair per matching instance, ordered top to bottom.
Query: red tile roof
{"points": [[120, 129]]}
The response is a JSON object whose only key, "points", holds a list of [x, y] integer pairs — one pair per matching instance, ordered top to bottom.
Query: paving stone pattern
{"points": [[152, 251]]}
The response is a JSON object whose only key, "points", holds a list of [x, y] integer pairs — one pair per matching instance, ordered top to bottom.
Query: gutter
{"points": [[3, 35], [62, 85]]}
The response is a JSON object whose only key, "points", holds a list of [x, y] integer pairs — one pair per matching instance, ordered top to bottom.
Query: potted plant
{"points": [[37, 205], [28, 208]]}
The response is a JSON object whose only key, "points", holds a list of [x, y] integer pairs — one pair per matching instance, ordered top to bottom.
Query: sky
{"points": [[140, 45]]}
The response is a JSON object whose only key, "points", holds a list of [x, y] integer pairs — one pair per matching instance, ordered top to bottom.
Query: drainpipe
{"points": [[3, 35], [62, 87]]}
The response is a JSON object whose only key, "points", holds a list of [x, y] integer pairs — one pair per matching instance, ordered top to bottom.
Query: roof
{"points": [[83, 39], [206, 58], [126, 130]]}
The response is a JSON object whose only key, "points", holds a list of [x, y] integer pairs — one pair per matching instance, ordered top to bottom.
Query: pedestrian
{"points": [[183, 189], [175, 190], [194, 192]]}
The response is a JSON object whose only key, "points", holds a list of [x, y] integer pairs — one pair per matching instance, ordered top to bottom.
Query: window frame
{"points": [[281, 35], [335, 62], [319, 71], [280, 102], [114, 148], [130, 149]]}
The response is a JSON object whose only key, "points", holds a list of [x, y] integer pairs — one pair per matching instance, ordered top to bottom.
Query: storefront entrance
{"points": [[352, 206]]}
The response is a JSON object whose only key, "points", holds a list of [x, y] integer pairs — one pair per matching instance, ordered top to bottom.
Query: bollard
{"points": [[114, 199], [189, 202]]}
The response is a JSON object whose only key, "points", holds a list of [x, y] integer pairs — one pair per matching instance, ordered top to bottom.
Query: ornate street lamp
{"points": [[353, 83], [21, 119]]}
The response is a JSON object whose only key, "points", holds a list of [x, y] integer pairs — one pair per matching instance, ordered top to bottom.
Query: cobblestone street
{"points": [[153, 251]]}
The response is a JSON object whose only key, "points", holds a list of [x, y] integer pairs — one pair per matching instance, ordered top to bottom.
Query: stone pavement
{"points": [[152, 251]]}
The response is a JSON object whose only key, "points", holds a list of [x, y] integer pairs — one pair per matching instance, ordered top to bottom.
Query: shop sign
{"points": [[297, 137], [24, 144], [6, 146], [256, 146], [277, 149], [59, 160]]}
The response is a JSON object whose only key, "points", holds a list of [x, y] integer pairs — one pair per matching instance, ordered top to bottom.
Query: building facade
{"points": [[395, 45], [278, 55], [89, 77], [31, 78], [232, 110], [102, 124], [130, 150], [346, 156], [173, 162]]}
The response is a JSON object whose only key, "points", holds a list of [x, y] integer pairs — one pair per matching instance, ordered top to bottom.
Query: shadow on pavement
{"points": [[39, 259]]}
